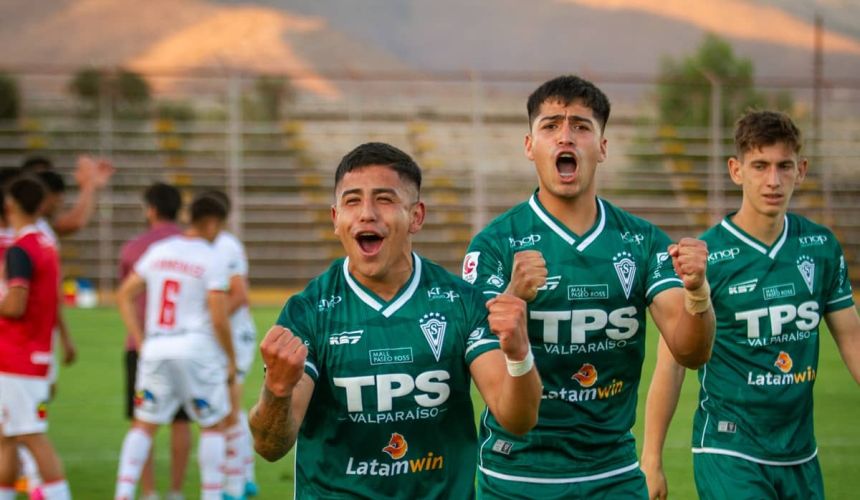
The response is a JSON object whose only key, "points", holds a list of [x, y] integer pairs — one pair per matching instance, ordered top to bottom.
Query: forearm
{"points": [[76, 217], [129, 318], [693, 338], [225, 339], [663, 395], [517, 403], [272, 425]]}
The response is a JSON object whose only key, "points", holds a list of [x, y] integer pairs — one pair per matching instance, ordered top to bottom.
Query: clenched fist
{"points": [[690, 259], [528, 274], [507, 321], [284, 357]]}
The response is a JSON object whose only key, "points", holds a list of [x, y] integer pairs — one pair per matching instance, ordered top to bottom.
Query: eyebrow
{"points": [[576, 118], [374, 191]]}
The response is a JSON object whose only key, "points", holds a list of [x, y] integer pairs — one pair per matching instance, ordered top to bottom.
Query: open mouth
{"points": [[565, 163], [369, 242]]}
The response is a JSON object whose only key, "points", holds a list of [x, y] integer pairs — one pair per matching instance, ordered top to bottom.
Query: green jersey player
{"points": [[589, 271], [774, 277], [369, 368]]}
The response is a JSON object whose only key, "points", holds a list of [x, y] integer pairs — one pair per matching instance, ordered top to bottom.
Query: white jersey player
{"points": [[187, 355], [240, 478]]}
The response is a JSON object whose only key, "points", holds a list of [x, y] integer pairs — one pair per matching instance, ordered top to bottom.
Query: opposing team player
{"points": [[162, 203], [588, 271], [775, 276], [28, 311], [186, 358], [369, 367], [239, 469]]}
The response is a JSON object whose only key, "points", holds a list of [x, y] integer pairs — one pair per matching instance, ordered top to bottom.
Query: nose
{"points": [[565, 134], [773, 179], [368, 210]]}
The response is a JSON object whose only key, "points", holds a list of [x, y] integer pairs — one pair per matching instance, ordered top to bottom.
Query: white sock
{"points": [[246, 448], [135, 449], [211, 455], [29, 468], [234, 472], [57, 490], [7, 493]]}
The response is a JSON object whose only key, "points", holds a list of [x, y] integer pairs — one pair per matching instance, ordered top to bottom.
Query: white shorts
{"points": [[244, 348], [199, 385], [23, 404]]}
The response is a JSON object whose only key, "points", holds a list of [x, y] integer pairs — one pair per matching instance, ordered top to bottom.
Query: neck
{"points": [[577, 214], [20, 221], [160, 222], [761, 227], [388, 283]]}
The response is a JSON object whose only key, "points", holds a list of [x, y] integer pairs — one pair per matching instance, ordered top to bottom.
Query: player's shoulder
{"points": [[617, 216], [506, 221], [802, 226], [227, 240], [325, 283]]}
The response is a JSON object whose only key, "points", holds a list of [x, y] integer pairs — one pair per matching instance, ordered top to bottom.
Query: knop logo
{"points": [[784, 362], [586, 376], [397, 446]]}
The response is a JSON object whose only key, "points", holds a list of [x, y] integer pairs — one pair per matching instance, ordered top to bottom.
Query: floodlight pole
{"points": [[234, 151], [716, 198]]}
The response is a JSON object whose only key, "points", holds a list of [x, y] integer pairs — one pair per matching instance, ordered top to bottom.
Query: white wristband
{"points": [[699, 300], [520, 368]]}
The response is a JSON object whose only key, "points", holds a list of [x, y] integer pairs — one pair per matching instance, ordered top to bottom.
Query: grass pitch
{"points": [[88, 424]]}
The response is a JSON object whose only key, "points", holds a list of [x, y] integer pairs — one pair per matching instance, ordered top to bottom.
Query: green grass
{"points": [[87, 423]]}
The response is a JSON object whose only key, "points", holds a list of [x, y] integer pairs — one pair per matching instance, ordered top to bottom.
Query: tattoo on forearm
{"points": [[272, 427]]}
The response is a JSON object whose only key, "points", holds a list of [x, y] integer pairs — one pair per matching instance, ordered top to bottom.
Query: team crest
{"points": [[806, 266], [625, 268], [433, 325]]}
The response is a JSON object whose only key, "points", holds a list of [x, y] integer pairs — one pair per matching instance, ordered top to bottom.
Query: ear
{"points": [[528, 147], [603, 149], [802, 168], [735, 170], [417, 214], [334, 217]]}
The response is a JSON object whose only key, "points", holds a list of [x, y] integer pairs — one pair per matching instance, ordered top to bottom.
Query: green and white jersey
{"points": [[587, 330], [755, 400], [391, 414]]}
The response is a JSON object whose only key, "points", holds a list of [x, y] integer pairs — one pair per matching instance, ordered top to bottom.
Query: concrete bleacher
{"points": [[286, 186]]}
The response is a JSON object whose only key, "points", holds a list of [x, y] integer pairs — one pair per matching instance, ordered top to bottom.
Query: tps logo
{"points": [[470, 267], [784, 362], [586, 376], [143, 397], [42, 410], [397, 446]]}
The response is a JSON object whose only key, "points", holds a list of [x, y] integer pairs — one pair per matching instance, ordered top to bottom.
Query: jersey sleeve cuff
{"points": [[662, 285], [480, 347]]}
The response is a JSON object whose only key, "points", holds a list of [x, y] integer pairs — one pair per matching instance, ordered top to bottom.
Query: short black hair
{"points": [[567, 89], [380, 153], [36, 164], [7, 174], [52, 180], [28, 192], [219, 195], [165, 199], [205, 205]]}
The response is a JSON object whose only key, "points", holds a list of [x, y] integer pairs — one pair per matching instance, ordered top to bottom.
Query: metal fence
{"points": [[465, 130]]}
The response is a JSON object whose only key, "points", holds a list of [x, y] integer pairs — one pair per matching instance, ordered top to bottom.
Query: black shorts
{"points": [[130, 379]]}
